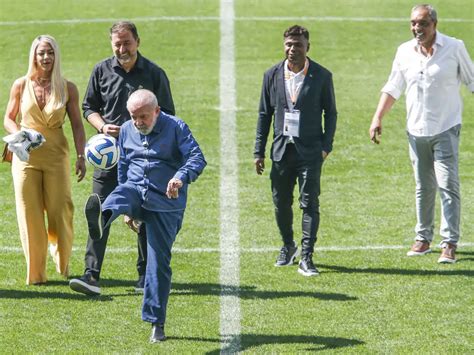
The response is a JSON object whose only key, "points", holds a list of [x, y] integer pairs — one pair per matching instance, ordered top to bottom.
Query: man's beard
{"points": [[125, 58], [144, 131]]}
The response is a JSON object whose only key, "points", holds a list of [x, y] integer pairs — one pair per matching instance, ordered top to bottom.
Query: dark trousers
{"points": [[284, 175], [103, 183], [162, 228]]}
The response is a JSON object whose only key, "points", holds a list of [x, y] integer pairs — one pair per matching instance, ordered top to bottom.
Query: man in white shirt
{"points": [[430, 69]]}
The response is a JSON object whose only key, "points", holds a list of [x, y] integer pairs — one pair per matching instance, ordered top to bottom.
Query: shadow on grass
{"points": [[461, 252], [463, 259], [390, 271], [117, 283], [177, 289], [44, 291], [40, 292], [251, 292], [253, 341]]}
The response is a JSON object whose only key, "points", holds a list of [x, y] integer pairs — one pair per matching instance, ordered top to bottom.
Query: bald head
{"points": [[141, 98], [144, 110]]}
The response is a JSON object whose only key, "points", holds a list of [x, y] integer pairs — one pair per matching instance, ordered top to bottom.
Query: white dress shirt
{"points": [[293, 84], [431, 84]]}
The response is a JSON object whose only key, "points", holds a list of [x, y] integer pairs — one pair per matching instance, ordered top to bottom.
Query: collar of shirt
{"points": [[437, 43], [138, 64], [290, 75], [293, 83], [159, 124], [157, 128]]}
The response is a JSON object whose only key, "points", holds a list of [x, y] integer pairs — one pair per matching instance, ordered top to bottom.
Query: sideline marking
{"points": [[215, 18], [229, 207]]}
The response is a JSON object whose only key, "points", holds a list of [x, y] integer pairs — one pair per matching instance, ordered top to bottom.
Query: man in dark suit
{"points": [[296, 92]]}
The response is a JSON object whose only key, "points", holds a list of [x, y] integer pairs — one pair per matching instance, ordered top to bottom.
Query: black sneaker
{"points": [[93, 212], [287, 255], [306, 267], [86, 284], [140, 286], [157, 333]]}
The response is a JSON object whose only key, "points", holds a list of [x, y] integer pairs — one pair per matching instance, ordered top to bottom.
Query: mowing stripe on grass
{"points": [[215, 18], [339, 19], [229, 208], [126, 250]]}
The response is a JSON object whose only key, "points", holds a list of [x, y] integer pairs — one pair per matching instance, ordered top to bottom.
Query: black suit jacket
{"points": [[316, 97]]}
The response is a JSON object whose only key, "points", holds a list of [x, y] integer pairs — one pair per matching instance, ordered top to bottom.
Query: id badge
{"points": [[291, 124]]}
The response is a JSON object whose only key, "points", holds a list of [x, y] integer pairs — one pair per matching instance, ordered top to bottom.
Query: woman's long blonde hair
{"points": [[58, 84]]}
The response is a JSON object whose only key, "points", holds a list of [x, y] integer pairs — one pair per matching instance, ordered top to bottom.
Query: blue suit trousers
{"points": [[161, 228]]}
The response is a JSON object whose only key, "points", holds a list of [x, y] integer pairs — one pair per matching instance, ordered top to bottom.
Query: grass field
{"points": [[367, 300]]}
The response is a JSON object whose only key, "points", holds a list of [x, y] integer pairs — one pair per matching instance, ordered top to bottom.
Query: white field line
{"points": [[215, 18], [229, 207], [262, 250]]}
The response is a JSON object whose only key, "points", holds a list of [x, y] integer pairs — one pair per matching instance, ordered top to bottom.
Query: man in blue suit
{"points": [[297, 94], [159, 158]]}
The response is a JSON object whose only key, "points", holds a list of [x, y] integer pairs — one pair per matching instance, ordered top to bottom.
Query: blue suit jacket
{"points": [[316, 99], [148, 162]]}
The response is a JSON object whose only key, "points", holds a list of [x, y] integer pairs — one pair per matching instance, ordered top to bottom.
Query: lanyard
{"points": [[294, 82]]}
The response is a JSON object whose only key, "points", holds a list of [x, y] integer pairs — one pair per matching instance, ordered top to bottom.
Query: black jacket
{"points": [[316, 97]]}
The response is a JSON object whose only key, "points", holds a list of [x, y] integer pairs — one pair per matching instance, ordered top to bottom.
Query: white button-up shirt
{"points": [[293, 84], [431, 84]]}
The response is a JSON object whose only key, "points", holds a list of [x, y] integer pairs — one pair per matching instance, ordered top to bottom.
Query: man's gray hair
{"points": [[431, 11], [142, 97]]}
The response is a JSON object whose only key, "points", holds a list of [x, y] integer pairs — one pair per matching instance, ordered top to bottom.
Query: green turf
{"points": [[375, 301]]}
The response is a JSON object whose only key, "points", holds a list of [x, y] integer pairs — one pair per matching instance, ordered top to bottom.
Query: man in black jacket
{"points": [[296, 92]]}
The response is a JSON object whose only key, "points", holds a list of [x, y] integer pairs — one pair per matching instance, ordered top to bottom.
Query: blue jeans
{"points": [[435, 165], [161, 228]]}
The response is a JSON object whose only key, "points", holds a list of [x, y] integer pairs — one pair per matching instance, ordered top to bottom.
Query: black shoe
{"points": [[93, 212], [287, 255], [306, 267], [86, 284], [140, 286], [157, 333]]}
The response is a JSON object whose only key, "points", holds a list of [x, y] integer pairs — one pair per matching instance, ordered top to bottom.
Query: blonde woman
{"points": [[40, 101]]}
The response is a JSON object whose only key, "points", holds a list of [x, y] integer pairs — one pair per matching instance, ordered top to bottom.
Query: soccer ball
{"points": [[102, 151]]}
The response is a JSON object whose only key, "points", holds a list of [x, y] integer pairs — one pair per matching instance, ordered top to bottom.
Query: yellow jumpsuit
{"points": [[43, 191]]}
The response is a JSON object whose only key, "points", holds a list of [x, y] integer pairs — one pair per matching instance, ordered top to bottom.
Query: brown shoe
{"points": [[419, 248], [448, 254]]}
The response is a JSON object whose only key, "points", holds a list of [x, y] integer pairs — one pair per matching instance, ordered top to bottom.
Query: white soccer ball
{"points": [[102, 151]]}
